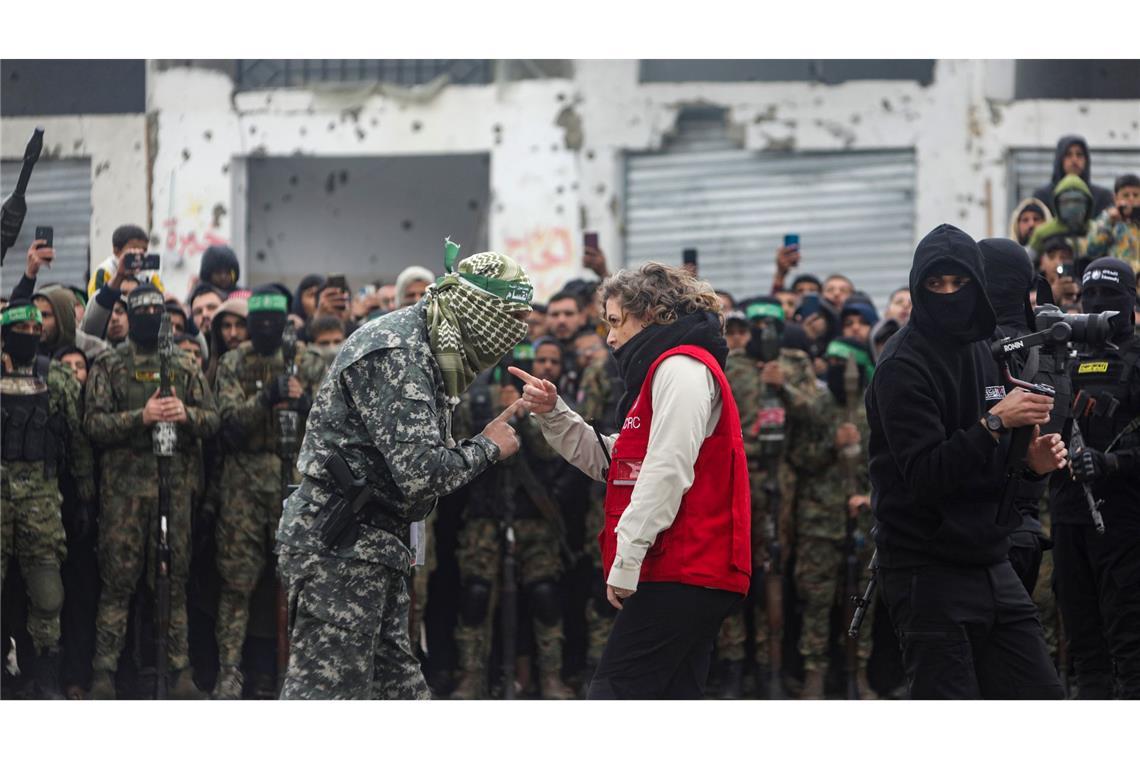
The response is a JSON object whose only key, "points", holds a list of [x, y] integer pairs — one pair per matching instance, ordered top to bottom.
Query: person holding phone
{"points": [[1116, 232], [129, 244], [787, 259], [676, 542]]}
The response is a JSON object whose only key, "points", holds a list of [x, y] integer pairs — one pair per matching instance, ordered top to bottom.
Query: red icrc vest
{"points": [[709, 543]]}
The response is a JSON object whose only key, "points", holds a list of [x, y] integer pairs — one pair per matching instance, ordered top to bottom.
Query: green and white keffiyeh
{"points": [[470, 315]]}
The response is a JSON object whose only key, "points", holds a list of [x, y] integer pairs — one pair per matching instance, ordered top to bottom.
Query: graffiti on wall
{"points": [[187, 245], [547, 255]]}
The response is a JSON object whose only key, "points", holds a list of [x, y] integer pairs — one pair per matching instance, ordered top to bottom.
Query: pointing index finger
{"points": [[525, 376], [510, 411]]}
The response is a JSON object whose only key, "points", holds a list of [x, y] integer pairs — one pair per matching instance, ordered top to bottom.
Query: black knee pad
{"points": [[476, 599], [545, 602]]}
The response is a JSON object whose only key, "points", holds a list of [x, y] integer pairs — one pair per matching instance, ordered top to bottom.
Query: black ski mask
{"points": [[1110, 285], [145, 307], [955, 310], [268, 311], [21, 347]]}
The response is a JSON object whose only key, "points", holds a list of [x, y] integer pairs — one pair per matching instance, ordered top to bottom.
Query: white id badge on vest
{"points": [[626, 471], [418, 538]]}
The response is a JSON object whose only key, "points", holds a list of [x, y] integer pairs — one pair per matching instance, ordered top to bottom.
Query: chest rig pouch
{"points": [[254, 373], [143, 379], [1107, 399], [29, 432]]}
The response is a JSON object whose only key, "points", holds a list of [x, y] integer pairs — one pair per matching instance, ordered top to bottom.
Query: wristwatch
{"points": [[994, 424]]}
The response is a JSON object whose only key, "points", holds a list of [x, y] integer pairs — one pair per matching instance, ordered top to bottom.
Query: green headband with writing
{"points": [[517, 292], [268, 302], [762, 310], [26, 313], [839, 350]]}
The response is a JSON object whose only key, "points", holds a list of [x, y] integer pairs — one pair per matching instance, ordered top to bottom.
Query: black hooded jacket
{"points": [[1102, 196], [219, 258], [1009, 280], [937, 474]]}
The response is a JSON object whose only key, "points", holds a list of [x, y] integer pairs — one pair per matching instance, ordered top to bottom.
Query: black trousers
{"points": [[1099, 594], [968, 633], [661, 643]]}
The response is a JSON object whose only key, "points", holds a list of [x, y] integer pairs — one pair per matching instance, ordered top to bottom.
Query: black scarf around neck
{"points": [[701, 328]]}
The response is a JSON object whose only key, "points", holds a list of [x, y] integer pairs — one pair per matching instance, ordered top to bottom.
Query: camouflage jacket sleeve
{"points": [[799, 390], [396, 400], [238, 413], [203, 420], [104, 425], [812, 444], [81, 462]]}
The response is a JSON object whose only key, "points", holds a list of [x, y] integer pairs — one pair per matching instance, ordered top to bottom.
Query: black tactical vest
{"points": [[29, 432]]}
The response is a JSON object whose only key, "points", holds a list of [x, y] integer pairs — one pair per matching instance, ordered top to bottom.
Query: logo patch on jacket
{"points": [[1087, 368], [145, 376], [995, 392]]}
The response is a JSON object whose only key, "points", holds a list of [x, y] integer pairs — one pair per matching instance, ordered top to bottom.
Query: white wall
{"points": [[557, 145], [117, 149]]}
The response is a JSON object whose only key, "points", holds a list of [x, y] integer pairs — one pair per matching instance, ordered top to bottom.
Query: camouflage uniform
{"points": [[1119, 239], [120, 383], [601, 389], [796, 395], [385, 410], [251, 485], [821, 519], [32, 528], [537, 552]]}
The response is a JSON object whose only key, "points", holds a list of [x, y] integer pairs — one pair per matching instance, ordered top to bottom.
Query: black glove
{"points": [[276, 392], [1090, 464]]}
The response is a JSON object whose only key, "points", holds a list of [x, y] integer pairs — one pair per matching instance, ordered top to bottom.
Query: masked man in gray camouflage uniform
{"points": [[385, 412]]}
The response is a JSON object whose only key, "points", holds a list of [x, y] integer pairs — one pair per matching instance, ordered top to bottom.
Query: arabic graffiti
{"points": [[187, 244]]}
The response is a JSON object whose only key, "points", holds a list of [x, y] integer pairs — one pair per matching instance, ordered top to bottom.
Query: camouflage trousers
{"points": [[32, 531], [245, 531], [128, 533], [480, 558], [820, 565], [1046, 602], [599, 613], [348, 631], [733, 635]]}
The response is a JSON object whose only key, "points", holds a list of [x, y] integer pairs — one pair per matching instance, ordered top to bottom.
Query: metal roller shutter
{"points": [[1031, 168], [59, 196], [853, 210]]}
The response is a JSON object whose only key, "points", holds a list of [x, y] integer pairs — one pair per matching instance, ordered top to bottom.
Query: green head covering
{"points": [[268, 302], [25, 313], [470, 314], [840, 350]]}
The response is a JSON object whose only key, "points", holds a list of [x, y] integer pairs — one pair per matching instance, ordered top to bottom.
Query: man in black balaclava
{"points": [[1009, 281], [251, 387], [123, 404], [42, 430], [1098, 575], [965, 623]]}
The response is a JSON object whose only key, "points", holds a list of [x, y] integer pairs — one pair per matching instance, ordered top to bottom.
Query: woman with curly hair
{"points": [[676, 542]]}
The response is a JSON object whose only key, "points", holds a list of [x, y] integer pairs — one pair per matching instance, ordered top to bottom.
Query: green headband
{"points": [[508, 291], [268, 302], [761, 310], [26, 313], [839, 350], [523, 351]]}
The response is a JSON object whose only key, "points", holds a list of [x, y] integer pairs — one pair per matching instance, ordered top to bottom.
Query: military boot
{"points": [[45, 672], [732, 679], [229, 683], [470, 684], [103, 685], [813, 685], [183, 686], [553, 688]]}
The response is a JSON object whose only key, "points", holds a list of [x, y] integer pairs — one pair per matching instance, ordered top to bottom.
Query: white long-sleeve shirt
{"points": [[686, 409]]}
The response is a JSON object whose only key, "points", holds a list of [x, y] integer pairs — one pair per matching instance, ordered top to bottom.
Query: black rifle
{"points": [[12, 214], [288, 425], [769, 430], [164, 438], [1077, 444], [848, 458], [545, 504], [508, 599], [863, 602]]}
